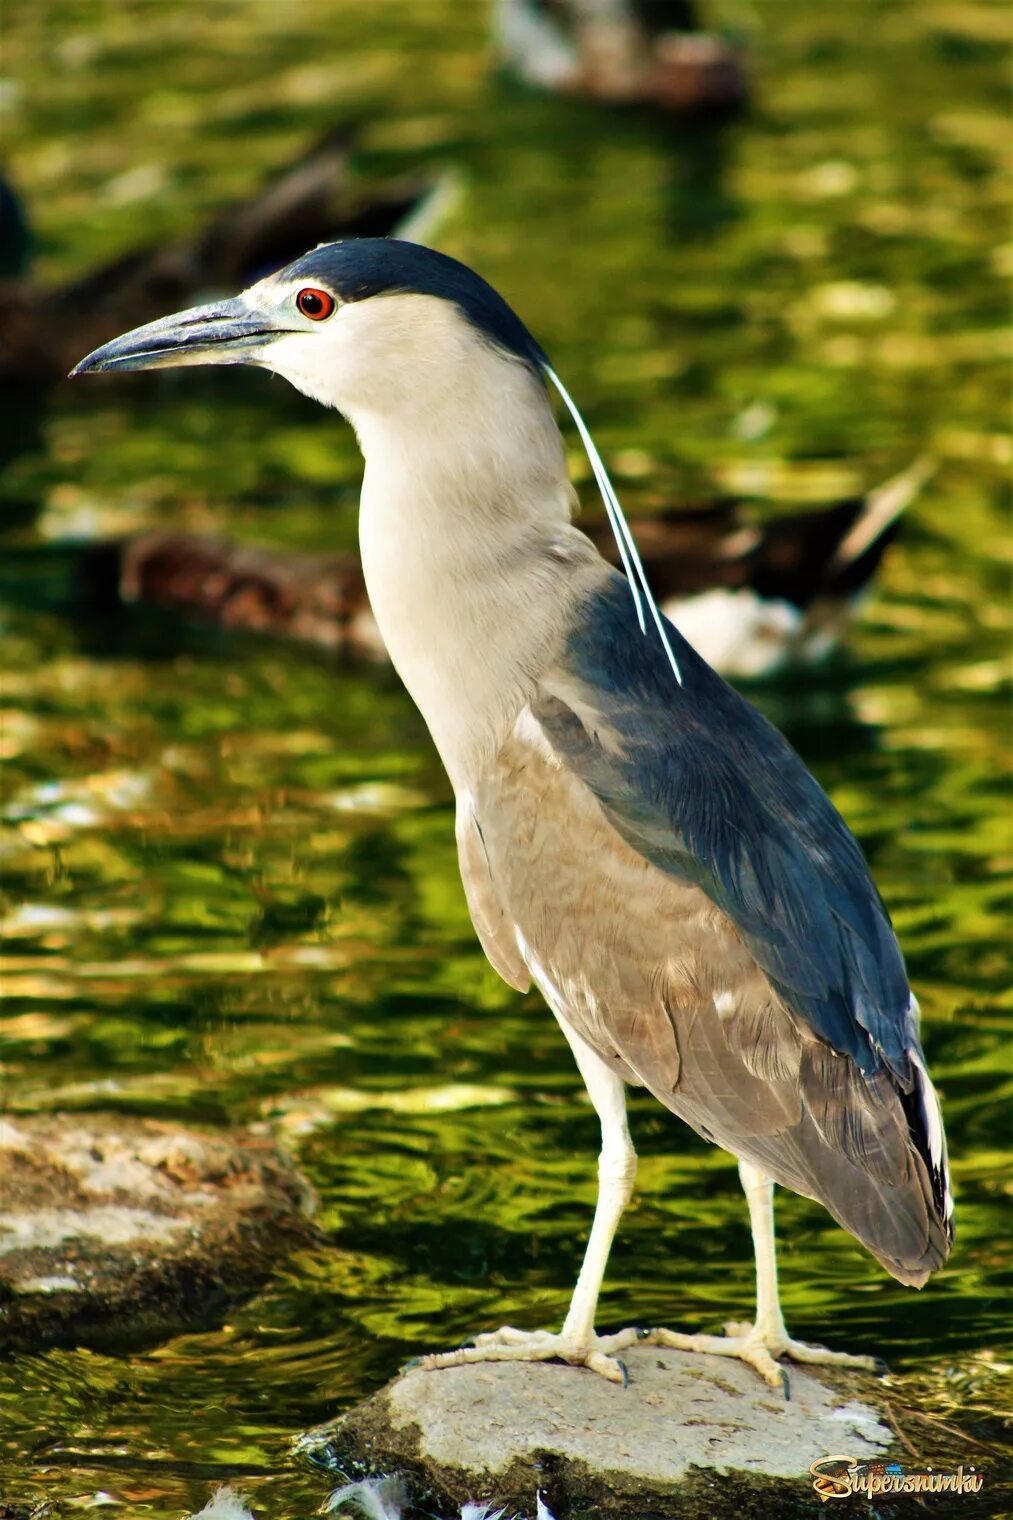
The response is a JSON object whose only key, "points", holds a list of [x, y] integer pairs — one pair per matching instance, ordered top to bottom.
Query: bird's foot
{"points": [[510, 1345], [761, 1349]]}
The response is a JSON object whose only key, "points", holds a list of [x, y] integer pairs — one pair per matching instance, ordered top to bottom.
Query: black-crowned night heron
{"points": [[633, 835]]}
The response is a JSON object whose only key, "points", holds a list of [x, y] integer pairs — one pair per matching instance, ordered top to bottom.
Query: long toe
{"points": [[506, 1335], [509, 1345], [750, 1345], [755, 1354], [820, 1356]]}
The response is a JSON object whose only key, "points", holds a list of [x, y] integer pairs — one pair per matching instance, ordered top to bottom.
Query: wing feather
{"points": [[697, 781], [689, 901], [494, 928], [823, 1083]]}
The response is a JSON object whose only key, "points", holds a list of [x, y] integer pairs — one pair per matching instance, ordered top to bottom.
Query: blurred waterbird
{"points": [[646, 51], [315, 197], [753, 597], [758, 598], [633, 836]]}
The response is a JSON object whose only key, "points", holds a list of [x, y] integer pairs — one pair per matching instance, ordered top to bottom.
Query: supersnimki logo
{"points": [[841, 1477]]}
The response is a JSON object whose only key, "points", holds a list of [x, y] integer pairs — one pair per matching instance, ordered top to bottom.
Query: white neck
{"points": [[469, 559]]}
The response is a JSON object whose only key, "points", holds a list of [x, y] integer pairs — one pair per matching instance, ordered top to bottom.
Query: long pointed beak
{"points": [[226, 332]]}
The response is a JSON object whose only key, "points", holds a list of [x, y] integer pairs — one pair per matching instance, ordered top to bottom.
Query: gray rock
{"points": [[116, 1230], [691, 1438]]}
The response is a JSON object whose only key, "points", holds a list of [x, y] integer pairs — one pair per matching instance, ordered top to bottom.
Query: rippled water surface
{"points": [[231, 887]]}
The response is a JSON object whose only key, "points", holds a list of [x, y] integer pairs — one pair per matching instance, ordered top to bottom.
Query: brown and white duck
{"points": [[752, 597]]}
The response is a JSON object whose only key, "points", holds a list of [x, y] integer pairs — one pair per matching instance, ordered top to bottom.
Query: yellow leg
{"points": [[577, 1342], [760, 1344]]}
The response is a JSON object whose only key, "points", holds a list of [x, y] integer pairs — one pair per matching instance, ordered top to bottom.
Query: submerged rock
{"points": [[116, 1230], [692, 1437]]}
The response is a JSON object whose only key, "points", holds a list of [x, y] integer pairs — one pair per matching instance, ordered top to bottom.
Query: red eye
{"points": [[315, 304]]}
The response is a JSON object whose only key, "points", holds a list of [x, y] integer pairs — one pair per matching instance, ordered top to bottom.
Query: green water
{"points": [[229, 865]]}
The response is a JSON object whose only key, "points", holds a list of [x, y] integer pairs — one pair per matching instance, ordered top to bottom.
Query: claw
{"points": [[624, 1370], [786, 1385]]}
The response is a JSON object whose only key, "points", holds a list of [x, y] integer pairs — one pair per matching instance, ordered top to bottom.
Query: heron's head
{"points": [[367, 325], [413, 347]]}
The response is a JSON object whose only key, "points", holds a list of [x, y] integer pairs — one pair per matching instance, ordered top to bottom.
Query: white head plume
{"points": [[635, 573]]}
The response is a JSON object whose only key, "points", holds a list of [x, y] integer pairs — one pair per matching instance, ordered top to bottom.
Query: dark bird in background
{"points": [[647, 52], [312, 200], [753, 598], [756, 598], [633, 836]]}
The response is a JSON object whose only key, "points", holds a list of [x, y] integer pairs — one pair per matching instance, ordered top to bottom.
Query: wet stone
{"points": [[114, 1231], [690, 1438]]}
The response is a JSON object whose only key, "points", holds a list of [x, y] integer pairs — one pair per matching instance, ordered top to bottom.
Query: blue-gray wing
{"points": [[699, 783], [704, 789]]}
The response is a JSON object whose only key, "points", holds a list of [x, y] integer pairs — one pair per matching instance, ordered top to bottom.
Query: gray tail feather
{"points": [[901, 1220]]}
